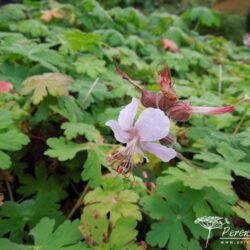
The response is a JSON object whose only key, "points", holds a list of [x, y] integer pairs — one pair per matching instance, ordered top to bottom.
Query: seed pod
{"points": [[148, 99], [165, 101], [180, 111]]}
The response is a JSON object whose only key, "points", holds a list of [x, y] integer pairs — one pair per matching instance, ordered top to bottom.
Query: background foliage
{"points": [[59, 192]]}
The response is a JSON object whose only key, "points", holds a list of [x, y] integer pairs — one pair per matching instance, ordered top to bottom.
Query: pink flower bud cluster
{"points": [[167, 100]]}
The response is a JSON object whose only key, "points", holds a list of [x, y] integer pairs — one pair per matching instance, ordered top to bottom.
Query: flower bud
{"points": [[164, 80], [5, 87], [148, 99], [165, 101], [212, 110], [180, 111], [170, 139]]}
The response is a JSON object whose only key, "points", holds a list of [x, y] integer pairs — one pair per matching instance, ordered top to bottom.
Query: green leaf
{"points": [[12, 12], [206, 16], [30, 26], [78, 40], [90, 66], [54, 84], [83, 86], [5, 119], [71, 130], [245, 137], [12, 140], [62, 149], [229, 153], [230, 159], [5, 161], [92, 171], [196, 178], [41, 182], [113, 201], [243, 210], [172, 214], [16, 216], [127, 227], [96, 228], [66, 236], [6, 244]]}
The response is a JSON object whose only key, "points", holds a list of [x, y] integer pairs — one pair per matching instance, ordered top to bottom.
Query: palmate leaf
{"points": [[12, 12], [205, 16], [30, 26], [77, 40], [90, 65], [83, 85], [40, 86], [5, 119], [71, 130], [244, 137], [12, 140], [62, 149], [229, 158], [5, 161], [92, 171], [196, 178], [41, 182], [111, 198], [175, 207], [243, 210], [172, 213], [17, 216], [101, 234], [65, 237]]}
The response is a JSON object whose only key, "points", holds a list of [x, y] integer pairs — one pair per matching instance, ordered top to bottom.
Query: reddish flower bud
{"points": [[164, 79], [5, 87], [148, 99], [166, 100], [212, 110], [180, 111], [170, 139]]}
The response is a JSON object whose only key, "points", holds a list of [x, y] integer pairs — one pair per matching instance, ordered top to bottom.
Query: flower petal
{"points": [[127, 115], [152, 125], [120, 135], [141, 152], [162, 152]]}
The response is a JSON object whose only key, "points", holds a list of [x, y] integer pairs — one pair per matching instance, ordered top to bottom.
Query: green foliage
{"points": [[203, 15], [90, 66], [41, 85], [11, 139], [55, 147], [62, 149], [196, 178], [109, 211], [18, 216], [66, 236]]}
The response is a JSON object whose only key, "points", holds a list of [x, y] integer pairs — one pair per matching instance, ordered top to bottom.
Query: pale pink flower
{"points": [[5, 87], [142, 135]]}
